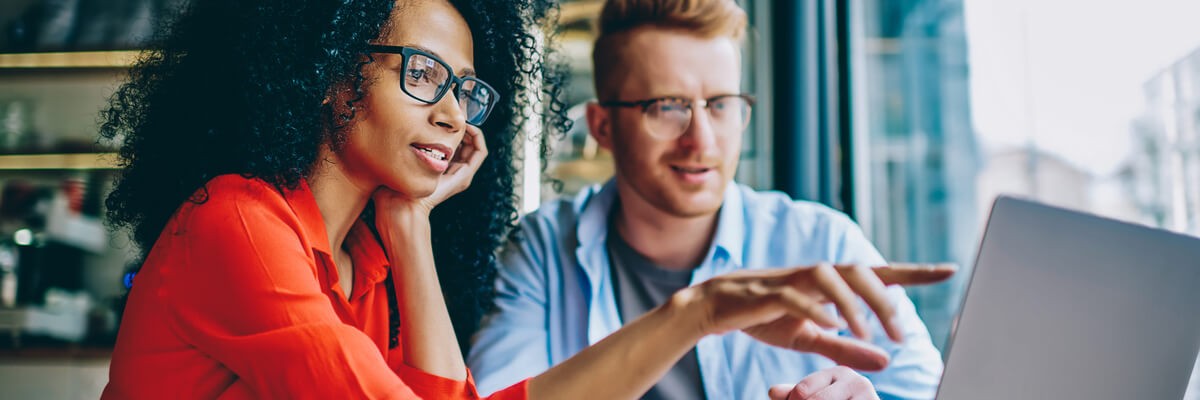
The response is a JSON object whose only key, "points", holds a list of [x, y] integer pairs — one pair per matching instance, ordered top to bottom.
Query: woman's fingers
{"points": [[478, 146], [470, 148], [462, 152], [466, 161], [454, 168]]}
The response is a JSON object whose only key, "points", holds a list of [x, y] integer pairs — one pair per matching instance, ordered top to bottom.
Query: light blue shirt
{"points": [[554, 295]]}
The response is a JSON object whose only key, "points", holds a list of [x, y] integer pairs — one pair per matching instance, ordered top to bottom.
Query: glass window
{"points": [[1088, 105], [919, 156]]}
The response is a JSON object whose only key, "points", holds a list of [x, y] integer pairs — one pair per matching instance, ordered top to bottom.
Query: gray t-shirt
{"points": [[640, 286]]}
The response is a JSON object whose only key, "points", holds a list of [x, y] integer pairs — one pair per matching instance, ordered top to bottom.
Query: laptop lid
{"points": [[1066, 305]]}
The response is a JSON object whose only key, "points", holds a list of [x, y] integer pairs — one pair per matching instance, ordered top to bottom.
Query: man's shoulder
{"points": [[779, 208], [564, 209], [555, 217], [812, 231]]}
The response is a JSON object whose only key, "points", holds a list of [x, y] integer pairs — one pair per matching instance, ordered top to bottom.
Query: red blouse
{"points": [[239, 298]]}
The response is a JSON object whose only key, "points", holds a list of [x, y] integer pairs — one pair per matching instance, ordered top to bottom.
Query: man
{"points": [[671, 112]]}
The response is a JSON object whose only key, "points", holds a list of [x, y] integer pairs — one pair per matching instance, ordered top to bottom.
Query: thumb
{"points": [[779, 392]]}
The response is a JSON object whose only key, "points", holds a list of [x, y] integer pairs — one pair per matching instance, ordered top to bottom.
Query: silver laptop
{"points": [[1064, 305]]}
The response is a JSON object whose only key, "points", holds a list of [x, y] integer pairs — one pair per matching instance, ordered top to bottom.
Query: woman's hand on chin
{"points": [[457, 178]]}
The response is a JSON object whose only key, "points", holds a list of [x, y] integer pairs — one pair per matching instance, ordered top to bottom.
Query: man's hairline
{"points": [[739, 46]]}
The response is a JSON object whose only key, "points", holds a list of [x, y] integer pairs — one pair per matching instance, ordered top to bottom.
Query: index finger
{"points": [[476, 136], [914, 274]]}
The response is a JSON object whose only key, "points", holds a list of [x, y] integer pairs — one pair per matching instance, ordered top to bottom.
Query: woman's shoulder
{"points": [[237, 186], [236, 190], [233, 197], [230, 221]]}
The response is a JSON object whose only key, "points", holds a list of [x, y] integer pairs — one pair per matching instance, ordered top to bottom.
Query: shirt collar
{"points": [[598, 203], [731, 224], [370, 261], [371, 264]]}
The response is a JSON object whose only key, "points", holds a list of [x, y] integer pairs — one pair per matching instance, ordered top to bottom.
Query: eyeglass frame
{"points": [[406, 52], [691, 105]]}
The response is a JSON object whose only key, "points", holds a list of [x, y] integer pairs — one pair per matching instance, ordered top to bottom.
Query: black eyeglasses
{"points": [[428, 79], [667, 118]]}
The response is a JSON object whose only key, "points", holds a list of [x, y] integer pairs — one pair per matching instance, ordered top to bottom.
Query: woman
{"points": [[283, 161]]}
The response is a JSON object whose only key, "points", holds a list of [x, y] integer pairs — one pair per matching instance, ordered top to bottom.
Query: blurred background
{"points": [[908, 115]]}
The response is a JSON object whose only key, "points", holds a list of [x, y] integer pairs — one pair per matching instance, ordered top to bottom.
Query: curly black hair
{"points": [[236, 86]]}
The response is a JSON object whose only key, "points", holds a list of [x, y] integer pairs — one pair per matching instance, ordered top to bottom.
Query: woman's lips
{"points": [[435, 156]]}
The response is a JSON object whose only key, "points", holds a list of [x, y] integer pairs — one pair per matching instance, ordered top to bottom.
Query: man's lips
{"points": [[691, 169], [694, 174]]}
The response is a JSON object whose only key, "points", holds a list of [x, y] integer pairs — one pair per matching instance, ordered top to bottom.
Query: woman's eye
{"points": [[416, 74]]}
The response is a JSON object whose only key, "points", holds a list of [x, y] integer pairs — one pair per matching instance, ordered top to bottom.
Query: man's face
{"points": [[684, 176]]}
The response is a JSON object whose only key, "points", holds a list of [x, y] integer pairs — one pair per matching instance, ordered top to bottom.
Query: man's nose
{"points": [[699, 135]]}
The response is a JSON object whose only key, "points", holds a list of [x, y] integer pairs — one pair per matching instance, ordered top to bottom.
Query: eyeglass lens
{"points": [[427, 79], [669, 118]]}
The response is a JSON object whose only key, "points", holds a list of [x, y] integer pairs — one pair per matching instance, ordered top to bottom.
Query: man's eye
{"points": [[416, 74], [670, 106]]}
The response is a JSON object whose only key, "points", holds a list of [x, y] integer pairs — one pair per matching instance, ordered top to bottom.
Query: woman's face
{"points": [[397, 141]]}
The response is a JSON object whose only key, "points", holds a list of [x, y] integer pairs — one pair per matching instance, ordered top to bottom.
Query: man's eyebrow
{"points": [[462, 72]]}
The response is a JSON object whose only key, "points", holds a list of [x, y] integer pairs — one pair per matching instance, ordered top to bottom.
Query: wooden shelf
{"points": [[579, 10], [80, 59], [58, 161], [595, 170], [48, 353]]}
